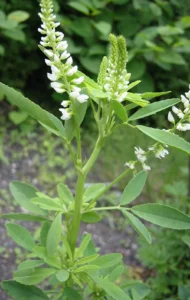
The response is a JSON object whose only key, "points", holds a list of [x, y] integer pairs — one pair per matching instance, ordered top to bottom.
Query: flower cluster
{"points": [[63, 75], [117, 78], [183, 124], [158, 150]]}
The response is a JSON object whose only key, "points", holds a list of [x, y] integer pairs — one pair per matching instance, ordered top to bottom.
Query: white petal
{"points": [[48, 53], [65, 55], [69, 61], [48, 62], [72, 71], [52, 77], [78, 80], [56, 85], [59, 90], [74, 94], [82, 98], [65, 103], [171, 118]]}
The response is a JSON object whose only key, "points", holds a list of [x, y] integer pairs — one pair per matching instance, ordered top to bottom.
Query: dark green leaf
{"points": [[153, 108], [119, 110], [165, 137], [134, 188], [23, 193], [162, 215], [24, 217], [91, 217], [138, 226], [44, 232], [54, 235], [19, 291], [72, 294]]}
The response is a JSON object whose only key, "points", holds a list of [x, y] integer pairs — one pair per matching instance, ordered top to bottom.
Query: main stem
{"points": [[75, 225]]}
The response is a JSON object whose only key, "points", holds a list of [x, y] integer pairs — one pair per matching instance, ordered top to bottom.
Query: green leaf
{"points": [[79, 6], [18, 16], [103, 27], [15, 33], [171, 57], [137, 68], [133, 84], [98, 93], [151, 95], [137, 99], [153, 108], [32, 109], [81, 109], [119, 110], [18, 117], [165, 137], [134, 188], [93, 191], [23, 193], [64, 193], [48, 203], [162, 215], [24, 217], [91, 217], [138, 226], [44, 232], [54, 235], [21, 236], [186, 240], [85, 241], [68, 248], [86, 259], [108, 260], [53, 261], [28, 264], [86, 268], [116, 273], [62, 275], [33, 276], [110, 288], [142, 289], [19, 291], [184, 292], [72, 294], [135, 295]]}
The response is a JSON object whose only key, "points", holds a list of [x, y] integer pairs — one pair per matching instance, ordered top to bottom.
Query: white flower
{"points": [[62, 46], [48, 53], [64, 55], [56, 58], [69, 61], [48, 62], [55, 70], [72, 71], [52, 77], [78, 80], [55, 85], [59, 90], [74, 94], [188, 94], [122, 96], [82, 98], [65, 103], [175, 110], [66, 114], [180, 115], [171, 118], [183, 127], [139, 151], [161, 153], [130, 165], [146, 167]]}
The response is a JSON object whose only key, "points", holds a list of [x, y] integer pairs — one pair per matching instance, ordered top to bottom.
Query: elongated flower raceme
{"points": [[63, 73], [113, 76]]}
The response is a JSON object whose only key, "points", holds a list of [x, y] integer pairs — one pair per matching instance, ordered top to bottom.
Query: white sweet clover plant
{"points": [[72, 267]]}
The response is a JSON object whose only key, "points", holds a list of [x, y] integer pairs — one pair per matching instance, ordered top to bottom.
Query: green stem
{"points": [[93, 156], [108, 187], [107, 208], [75, 225]]}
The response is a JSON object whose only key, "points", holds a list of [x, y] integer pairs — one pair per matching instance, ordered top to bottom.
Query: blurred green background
{"points": [[158, 39]]}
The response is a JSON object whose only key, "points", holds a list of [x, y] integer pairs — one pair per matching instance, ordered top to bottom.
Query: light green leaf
{"points": [[79, 6], [18, 16], [103, 27], [133, 84], [98, 93], [151, 95], [137, 99], [153, 108], [32, 109], [119, 110], [18, 117], [165, 137], [134, 188], [93, 191], [23, 193], [64, 193], [48, 203], [162, 215], [24, 217], [91, 217], [138, 226], [54, 235], [21, 236], [85, 241], [68, 248], [86, 259], [108, 260], [28, 264], [86, 268], [116, 273], [62, 275], [33, 276], [109, 287], [19, 291]]}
